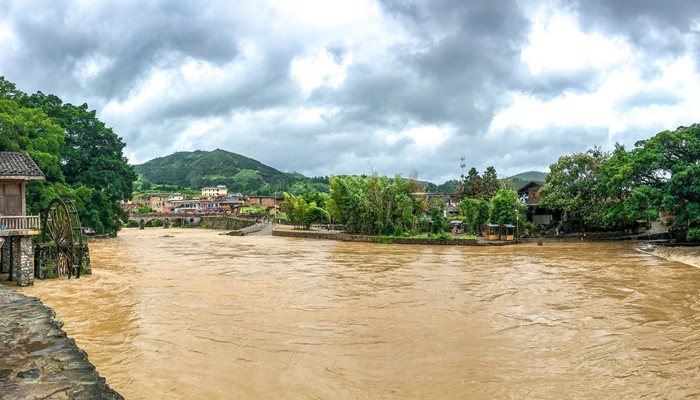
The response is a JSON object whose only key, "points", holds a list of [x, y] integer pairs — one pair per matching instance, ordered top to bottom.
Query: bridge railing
{"points": [[28, 222]]}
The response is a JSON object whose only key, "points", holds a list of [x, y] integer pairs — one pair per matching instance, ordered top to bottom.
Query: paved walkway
{"points": [[37, 359]]}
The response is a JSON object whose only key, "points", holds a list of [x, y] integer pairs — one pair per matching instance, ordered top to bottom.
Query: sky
{"points": [[363, 86]]}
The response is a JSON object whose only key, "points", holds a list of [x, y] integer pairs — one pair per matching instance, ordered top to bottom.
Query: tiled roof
{"points": [[18, 164]]}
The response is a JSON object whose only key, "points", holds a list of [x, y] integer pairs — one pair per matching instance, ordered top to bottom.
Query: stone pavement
{"points": [[37, 359]]}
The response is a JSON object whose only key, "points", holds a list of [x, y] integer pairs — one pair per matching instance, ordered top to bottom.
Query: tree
{"points": [[77, 154], [92, 154], [663, 171], [490, 183], [473, 185], [573, 186], [375, 205], [145, 210], [436, 210], [475, 211], [303, 213]]}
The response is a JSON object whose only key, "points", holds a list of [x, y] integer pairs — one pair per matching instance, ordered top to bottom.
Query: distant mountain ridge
{"points": [[196, 169], [530, 176], [522, 178]]}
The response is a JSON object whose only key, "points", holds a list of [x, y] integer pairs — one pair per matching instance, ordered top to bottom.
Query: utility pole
{"points": [[461, 165]]}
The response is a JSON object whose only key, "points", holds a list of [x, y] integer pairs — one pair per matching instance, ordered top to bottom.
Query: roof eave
{"points": [[21, 177]]}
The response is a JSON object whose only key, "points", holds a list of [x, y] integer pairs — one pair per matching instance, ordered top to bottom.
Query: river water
{"points": [[191, 314]]}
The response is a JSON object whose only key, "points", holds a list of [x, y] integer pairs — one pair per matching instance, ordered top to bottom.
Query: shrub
{"points": [[693, 235]]}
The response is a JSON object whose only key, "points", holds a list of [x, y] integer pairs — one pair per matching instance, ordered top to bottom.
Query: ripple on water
{"points": [[198, 315]]}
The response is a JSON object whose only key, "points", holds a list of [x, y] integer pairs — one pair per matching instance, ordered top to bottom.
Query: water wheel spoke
{"points": [[62, 227]]}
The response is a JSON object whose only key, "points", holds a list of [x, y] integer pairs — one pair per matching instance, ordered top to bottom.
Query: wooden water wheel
{"points": [[62, 228]]}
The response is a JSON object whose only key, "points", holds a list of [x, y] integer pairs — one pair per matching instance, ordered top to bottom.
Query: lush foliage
{"points": [[80, 158], [219, 167], [662, 172], [573, 186], [481, 187], [621, 188], [374, 205], [506, 209], [145, 210], [436, 210], [475, 212], [303, 213]]}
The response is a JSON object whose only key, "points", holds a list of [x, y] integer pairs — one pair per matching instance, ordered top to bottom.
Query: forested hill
{"points": [[196, 169], [525, 177]]}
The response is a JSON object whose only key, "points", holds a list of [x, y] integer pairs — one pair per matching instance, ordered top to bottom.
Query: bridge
{"points": [[179, 219]]}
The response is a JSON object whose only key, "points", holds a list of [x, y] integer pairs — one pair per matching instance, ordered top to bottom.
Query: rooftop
{"points": [[18, 165]]}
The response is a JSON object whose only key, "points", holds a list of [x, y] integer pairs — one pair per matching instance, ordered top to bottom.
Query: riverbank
{"points": [[287, 231], [685, 254], [37, 359]]}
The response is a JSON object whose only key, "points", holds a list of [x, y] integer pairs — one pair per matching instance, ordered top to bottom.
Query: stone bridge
{"points": [[179, 219]]}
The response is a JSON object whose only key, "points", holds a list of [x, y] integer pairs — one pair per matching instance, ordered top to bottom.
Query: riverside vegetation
{"points": [[597, 190]]}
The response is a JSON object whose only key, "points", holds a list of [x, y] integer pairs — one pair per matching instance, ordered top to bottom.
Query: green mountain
{"points": [[199, 168], [530, 176], [522, 178]]}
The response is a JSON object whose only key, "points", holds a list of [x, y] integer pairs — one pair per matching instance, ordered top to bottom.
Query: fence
{"points": [[29, 222]]}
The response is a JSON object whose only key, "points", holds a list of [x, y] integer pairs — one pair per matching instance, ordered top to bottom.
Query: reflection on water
{"points": [[198, 315]]}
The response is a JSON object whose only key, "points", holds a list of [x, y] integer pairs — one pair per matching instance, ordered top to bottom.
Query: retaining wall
{"points": [[228, 223], [394, 240]]}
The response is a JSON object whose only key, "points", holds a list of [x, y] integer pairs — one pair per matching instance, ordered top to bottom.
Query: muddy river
{"points": [[191, 314]]}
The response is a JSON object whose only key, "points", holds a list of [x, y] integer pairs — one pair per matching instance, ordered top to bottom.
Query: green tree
{"points": [[77, 154], [92, 154], [663, 171], [490, 183], [473, 184], [573, 186], [503, 207], [145, 210], [436, 210], [475, 212], [303, 213]]}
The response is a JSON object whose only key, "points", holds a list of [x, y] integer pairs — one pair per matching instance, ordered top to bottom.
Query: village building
{"points": [[214, 191], [529, 195], [176, 196], [157, 201], [232, 203], [272, 204], [192, 205], [16, 228]]}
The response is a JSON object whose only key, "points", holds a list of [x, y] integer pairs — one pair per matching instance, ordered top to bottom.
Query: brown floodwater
{"points": [[191, 314]]}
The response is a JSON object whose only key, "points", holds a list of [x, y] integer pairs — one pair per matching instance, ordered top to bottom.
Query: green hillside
{"points": [[199, 168], [522, 178]]}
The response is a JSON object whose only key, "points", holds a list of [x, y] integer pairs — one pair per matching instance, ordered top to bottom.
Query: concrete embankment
{"points": [[223, 222], [257, 229], [393, 240], [684, 254], [37, 359]]}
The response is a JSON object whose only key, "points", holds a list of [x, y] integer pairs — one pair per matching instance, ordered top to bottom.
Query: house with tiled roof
{"points": [[16, 228]]}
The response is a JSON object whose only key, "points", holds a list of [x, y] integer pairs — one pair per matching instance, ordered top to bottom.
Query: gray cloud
{"points": [[446, 64]]}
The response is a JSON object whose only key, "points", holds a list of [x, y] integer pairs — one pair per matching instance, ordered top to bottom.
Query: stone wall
{"points": [[227, 223], [394, 240], [5, 253], [46, 261], [23, 266], [38, 360]]}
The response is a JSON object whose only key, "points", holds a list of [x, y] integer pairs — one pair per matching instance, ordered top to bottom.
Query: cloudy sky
{"points": [[350, 87]]}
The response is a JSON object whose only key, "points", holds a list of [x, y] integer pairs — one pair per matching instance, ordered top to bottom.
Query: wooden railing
{"points": [[20, 223]]}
